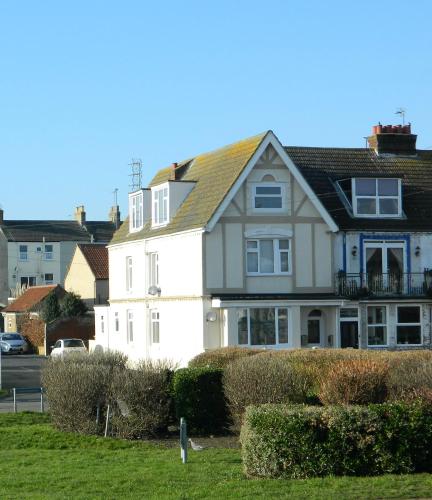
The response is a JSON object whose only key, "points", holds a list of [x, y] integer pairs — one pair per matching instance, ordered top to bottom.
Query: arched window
{"points": [[268, 178], [315, 313]]}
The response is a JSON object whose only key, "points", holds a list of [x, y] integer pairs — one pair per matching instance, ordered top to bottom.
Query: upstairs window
{"points": [[267, 197], [377, 197], [160, 206], [137, 211], [23, 252], [48, 253], [268, 256], [153, 269], [129, 274], [154, 327]]}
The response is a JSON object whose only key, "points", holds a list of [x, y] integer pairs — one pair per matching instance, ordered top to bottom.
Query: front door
{"points": [[314, 328], [349, 334]]}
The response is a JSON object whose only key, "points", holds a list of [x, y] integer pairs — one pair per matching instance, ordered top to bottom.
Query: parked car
{"points": [[16, 342], [68, 346], [4, 347]]}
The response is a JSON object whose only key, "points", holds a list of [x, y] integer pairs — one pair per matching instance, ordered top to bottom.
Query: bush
{"points": [[72, 305], [220, 358], [411, 378], [263, 379], [355, 381], [76, 386], [199, 398], [143, 400], [302, 441]]}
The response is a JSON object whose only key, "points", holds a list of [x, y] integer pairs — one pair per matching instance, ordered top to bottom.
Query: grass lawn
{"points": [[39, 462]]}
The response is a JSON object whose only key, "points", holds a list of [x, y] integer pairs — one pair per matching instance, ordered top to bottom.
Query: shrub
{"points": [[72, 305], [220, 358], [411, 378], [263, 379], [355, 381], [76, 386], [142, 396], [199, 398], [303, 441]]}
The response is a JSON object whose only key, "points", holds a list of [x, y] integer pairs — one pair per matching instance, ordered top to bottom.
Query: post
{"points": [[42, 401], [15, 402], [97, 414], [107, 420], [183, 440]]}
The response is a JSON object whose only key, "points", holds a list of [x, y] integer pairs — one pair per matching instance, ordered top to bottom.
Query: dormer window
{"points": [[268, 197], [376, 197], [160, 205], [137, 211]]}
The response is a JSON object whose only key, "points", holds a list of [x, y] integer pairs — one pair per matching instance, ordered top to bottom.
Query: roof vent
{"points": [[393, 139]]}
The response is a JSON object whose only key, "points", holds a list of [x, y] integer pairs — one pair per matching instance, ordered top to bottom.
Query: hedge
{"points": [[220, 358], [199, 398], [297, 441]]}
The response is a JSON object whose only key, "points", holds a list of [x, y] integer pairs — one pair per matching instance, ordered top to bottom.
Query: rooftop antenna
{"points": [[401, 111], [136, 175], [115, 196]]}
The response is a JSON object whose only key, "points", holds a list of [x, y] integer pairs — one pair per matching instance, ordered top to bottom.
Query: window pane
{"points": [[365, 187], [388, 187], [268, 190], [268, 202], [366, 206], [389, 206], [252, 244], [283, 244], [266, 256], [252, 262], [284, 262], [349, 313], [408, 314], [376, 315], [262, 326], [283, 326], [242, 328], [409, 334], [377, 335]]}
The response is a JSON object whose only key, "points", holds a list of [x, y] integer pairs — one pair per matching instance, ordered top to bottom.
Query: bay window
{"points": [[268, 256], [262, 326]]}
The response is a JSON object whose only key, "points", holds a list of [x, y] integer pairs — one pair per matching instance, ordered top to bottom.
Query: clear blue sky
{"points": [[87, 85]]}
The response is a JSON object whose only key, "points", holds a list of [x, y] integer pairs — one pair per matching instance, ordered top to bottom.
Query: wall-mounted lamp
{"points": [[354, 251], [417, 251], [154, 290], [211, 316]]}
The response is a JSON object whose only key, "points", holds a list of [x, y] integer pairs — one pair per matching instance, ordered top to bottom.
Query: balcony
{"points": [[363, 285]]}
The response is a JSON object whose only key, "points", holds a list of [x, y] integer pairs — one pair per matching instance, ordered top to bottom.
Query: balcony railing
{"points": [[358, 285]]}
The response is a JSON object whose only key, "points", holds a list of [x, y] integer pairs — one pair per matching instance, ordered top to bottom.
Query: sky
{"points": [[85, 86]]}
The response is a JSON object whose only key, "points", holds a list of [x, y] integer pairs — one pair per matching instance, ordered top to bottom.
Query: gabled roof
{"points": [[323, 167], [214, 174], [57, 230], [97, 259], [32, 298]]}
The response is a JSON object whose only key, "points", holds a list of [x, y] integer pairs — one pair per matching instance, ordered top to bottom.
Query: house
{"points": [[257, 244], [38, 252], [87, 274]]}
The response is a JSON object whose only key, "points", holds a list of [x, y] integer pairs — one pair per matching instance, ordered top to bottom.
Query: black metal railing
{"points": [[357, 285]]}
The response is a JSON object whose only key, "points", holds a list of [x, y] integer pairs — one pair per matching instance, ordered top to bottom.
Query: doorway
{"points": [[314, 328], [349, 328]]}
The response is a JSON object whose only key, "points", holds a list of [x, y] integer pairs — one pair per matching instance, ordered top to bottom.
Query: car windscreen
{"points": [[11, 336], [73, 343]]}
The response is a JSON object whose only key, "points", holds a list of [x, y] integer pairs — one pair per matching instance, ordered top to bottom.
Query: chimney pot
{"points": [[393, 139], [80, 215], [114, 216]]}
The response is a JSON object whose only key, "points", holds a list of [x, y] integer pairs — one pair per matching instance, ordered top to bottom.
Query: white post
{"points": [[15, 402], [107, 420], [183, 440]]}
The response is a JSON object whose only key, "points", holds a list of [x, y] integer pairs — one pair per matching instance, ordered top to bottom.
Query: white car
{"points": [[16, 342], [68, 346]]}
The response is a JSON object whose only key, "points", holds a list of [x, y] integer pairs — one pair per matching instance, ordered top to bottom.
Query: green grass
{"points": [[40, 462]]}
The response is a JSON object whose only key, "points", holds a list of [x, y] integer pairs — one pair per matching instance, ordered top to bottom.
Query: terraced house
{"points": [[257, 244]]}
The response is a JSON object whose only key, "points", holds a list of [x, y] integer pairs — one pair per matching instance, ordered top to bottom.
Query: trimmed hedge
{"points": [[220, 358], [199, 398], [297, 441]]}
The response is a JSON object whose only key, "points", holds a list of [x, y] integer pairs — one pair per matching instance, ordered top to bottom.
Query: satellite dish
{"points": [[154, 290]]}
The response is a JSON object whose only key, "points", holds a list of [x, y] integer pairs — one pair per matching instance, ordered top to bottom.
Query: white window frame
{"points": [[282, 196], [377, 197], [160, 205], [137, 215], [23, 254], [48, 254], [277, 256], [153, 269], [129, 273], [48, 281], [276, 313], [154, 319], [116, 322], [102, 324], [409, 324], [386, 325], [130, 326]]}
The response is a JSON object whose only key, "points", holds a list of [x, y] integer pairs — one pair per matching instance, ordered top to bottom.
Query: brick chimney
{"points": [[393, 139], [174, 173], [80, 215], [114, 215]]}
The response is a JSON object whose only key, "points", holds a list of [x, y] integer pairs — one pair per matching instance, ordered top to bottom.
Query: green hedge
{"points": [[220, 358], [199, 398], [303, 441]]}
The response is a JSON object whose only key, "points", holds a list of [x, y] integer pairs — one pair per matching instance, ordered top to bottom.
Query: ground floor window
{"points": [[116, 322], [102, 324], [377, 325], [408, 325], [130, 326], [262, 326], [154, 327]]}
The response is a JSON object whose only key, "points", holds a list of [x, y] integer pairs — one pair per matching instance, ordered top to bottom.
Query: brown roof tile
{"points": [[97, 259], [31, 298]]}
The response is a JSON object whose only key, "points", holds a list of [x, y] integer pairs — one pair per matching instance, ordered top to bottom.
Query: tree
{"points": [[72, 305], [50, 309]]}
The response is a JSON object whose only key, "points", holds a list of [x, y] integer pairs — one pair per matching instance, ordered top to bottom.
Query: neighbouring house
{"points": [[257, 244], [38, 252], [87, 275], [24, 315]]}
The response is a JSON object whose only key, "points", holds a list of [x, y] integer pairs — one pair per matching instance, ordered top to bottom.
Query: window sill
{"points": [[269, 274]]}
